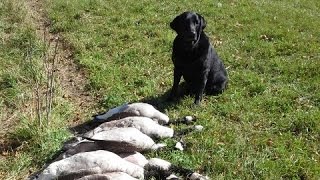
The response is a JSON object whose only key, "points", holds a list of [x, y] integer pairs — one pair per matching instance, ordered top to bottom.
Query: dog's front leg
{"points": [[176, 79], [200, 88]]}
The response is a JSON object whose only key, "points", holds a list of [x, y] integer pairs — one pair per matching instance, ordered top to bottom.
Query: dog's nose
{"points": [[192, 35]]}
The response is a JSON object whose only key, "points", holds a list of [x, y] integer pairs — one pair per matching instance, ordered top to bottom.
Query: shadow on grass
{"points": [[161, 101], [84, 127]]}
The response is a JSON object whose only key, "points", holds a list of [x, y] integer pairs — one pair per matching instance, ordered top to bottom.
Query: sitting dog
{"points": [[195, 59]]}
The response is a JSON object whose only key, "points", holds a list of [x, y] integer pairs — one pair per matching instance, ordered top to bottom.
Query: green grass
{"points": [[265, 126], [28, 143]]}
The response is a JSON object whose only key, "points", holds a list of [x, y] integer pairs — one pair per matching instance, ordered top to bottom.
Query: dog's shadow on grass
{"points": [[161, 101]]}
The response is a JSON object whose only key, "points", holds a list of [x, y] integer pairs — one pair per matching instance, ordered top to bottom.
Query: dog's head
{"points": [[189, 26]]}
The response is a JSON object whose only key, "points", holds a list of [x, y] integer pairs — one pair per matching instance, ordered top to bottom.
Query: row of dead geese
{"points": [[113, 149]]}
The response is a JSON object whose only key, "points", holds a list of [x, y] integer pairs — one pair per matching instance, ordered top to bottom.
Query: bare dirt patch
{"points": [[70, 76]]}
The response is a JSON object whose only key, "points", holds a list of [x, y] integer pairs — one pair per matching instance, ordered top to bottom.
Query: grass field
{"points": [[265, 126]]}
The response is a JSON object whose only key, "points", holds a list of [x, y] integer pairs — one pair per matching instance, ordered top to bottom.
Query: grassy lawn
{"points": [[265, 126]]}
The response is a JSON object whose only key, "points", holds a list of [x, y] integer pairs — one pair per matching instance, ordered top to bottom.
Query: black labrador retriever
{"points": [[195, 59]]}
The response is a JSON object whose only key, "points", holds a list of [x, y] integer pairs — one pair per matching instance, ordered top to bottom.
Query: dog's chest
{"points": [[188, 60], [190, 71]]}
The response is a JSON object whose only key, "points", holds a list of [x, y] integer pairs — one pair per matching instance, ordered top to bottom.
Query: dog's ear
{"points": [[202, 21], [175, 23]]}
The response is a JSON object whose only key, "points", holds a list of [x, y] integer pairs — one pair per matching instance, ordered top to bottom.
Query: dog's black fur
{"points": [[195, 59]]}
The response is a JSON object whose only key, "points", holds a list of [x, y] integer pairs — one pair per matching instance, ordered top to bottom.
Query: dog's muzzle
{"points": [[192, 36]]}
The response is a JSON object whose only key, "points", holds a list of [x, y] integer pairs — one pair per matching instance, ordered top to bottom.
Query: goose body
{"points": [[134, 109], [144, 124], [128, 135], [94, 162]]}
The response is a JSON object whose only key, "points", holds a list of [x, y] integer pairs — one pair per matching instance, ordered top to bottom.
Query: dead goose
{"points": [[134, 109], [143, 124], [129, 135], [117, 140], [86, 145], [135, 158], [87, 163], [95, 173]]}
